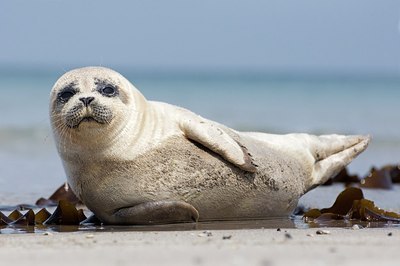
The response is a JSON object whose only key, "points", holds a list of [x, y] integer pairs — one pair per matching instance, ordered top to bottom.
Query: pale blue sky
{"points": [[277, 35]]}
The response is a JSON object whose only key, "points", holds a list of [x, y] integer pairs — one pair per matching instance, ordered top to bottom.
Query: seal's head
{"points": [[92, 104]]}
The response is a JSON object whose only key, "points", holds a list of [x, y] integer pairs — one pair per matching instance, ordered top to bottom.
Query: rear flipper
{"points": [[324, 146], [337, 159], [157, 212]]}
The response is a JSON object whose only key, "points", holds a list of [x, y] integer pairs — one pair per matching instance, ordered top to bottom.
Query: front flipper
{"points": [[217, 140], [157, 212]]}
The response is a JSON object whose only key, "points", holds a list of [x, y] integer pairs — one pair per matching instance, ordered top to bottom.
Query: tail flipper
{"points": [[334, 153]]}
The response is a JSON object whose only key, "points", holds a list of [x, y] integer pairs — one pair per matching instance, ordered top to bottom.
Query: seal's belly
{"points": [[183, 170]]}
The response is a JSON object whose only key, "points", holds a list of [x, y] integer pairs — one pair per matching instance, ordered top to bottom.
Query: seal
{"points": [[133, 161]]}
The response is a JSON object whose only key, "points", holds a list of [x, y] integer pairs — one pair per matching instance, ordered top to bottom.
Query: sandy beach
{"points": [[221, 247]]}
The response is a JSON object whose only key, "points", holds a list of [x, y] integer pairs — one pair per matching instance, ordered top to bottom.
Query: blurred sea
{"points": [[29, 163]]}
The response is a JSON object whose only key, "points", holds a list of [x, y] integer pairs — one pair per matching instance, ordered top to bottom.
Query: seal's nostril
{"points": [[86, 100]]}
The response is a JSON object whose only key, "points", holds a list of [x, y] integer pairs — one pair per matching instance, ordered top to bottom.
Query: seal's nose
{"points": [[86, 100]]}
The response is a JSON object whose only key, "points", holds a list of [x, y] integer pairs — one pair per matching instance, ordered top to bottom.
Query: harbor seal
{"points": [[133, 161]]}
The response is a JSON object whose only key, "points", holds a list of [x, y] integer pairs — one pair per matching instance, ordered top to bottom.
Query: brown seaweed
{"points": [[394, 173], [378, 178], [382, 178], [64, 192], [344, 201], [342, 205], [351, 205], [367, 211], [65, 214], [15, 215], [42, 216], [27, 219], [4, 220]]}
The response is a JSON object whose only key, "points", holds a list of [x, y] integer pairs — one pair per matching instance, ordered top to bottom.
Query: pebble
{"points": [[357, 227], [323, 232], [205, 233], [47, 234], [390, 234], [89, 236], [288, 236], [226, 237]]}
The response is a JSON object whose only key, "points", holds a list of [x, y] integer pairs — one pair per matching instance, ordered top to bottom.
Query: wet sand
{"points": [[221, 247]]}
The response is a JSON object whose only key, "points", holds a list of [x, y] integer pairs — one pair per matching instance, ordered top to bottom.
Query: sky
{"points": [[274, 35]]}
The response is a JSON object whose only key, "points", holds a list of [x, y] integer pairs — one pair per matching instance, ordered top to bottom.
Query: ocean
{"points": [[250, 101]]}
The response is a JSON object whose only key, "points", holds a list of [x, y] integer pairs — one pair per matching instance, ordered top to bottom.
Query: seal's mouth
{"points": [[96, 115], [88, 119]]}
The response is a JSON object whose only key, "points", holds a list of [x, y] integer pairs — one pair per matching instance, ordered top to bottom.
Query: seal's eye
{"points": [[108, 91], [65, 95]]}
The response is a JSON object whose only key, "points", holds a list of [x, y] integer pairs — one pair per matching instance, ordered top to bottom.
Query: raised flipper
{"points": [[217, 140], [324, 146], [339, 153], [157, 212]]}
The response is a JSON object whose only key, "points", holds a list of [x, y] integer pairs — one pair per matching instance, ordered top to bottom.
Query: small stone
{"points": [[357, 227], [278, 229], [323, 232], [205, 233], [47, 234], [390, 234], [310, 235], [89, 236], [288, 236], [226, 237]]}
